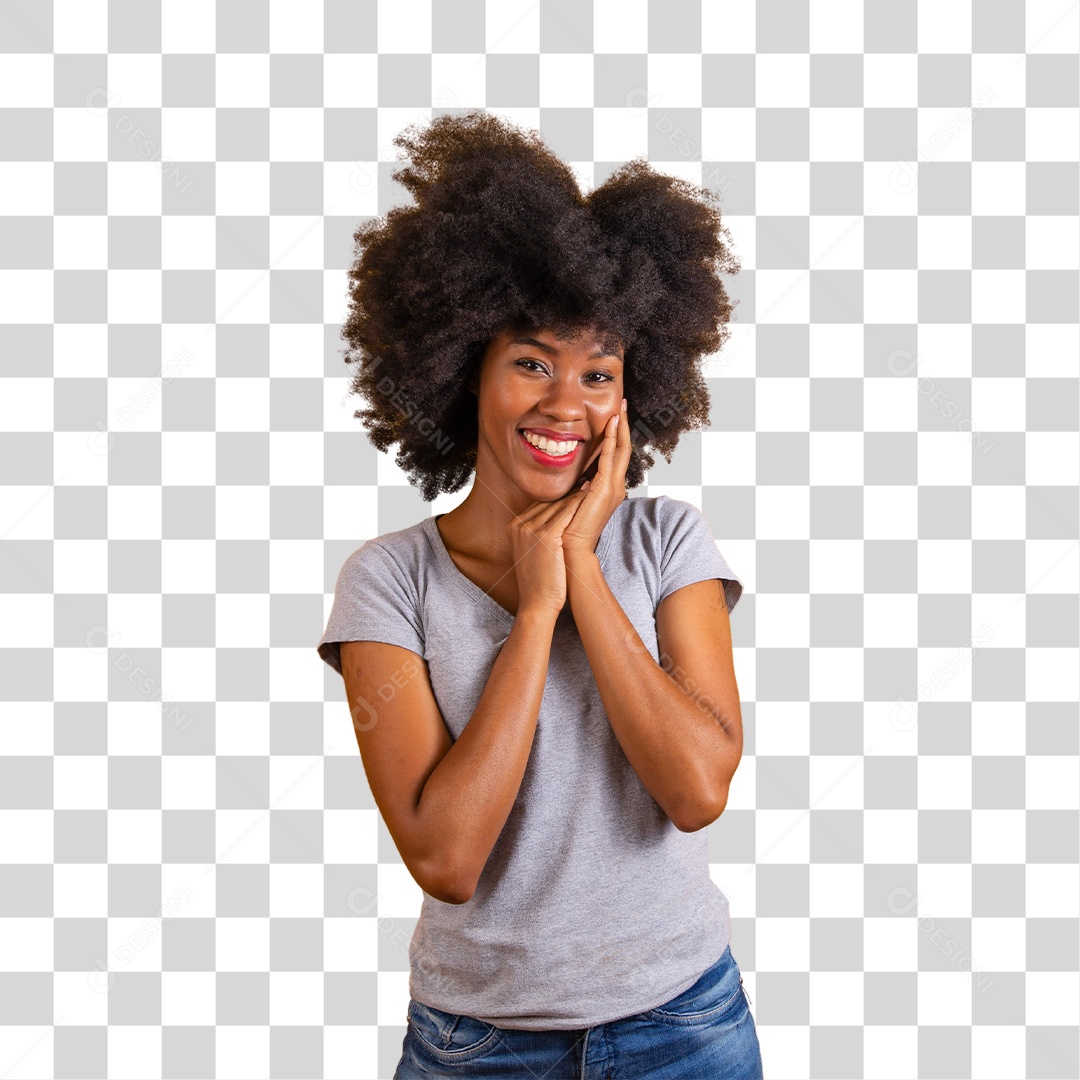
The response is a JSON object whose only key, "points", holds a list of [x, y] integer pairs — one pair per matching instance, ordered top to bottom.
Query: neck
{"points": [[478, 524]]}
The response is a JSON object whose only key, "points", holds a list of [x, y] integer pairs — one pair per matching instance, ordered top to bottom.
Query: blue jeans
{"points": [[706, 1031]]}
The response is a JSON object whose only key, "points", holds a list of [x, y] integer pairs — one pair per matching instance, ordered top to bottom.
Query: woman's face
{"points": [[536, 382]]}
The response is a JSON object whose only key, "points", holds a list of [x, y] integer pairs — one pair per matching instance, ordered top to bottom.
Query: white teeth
{"points": [[555, 449]]}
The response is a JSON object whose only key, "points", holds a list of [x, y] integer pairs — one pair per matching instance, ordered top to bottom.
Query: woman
{"points": [[541, 680]]}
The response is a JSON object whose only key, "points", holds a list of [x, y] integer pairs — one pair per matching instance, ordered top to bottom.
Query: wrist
{"points": [[578, 554], [580, 567], [541, 616]]}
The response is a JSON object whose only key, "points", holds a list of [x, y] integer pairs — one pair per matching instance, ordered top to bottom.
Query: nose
{"points": [[563, 402]]}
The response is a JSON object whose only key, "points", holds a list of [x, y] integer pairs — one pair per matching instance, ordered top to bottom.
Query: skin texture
{"points": [[500, 235], [561, 387], [527, 535], [679, 722]]}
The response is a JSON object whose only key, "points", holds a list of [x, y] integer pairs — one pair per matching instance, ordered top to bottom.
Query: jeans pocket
{"points": [[718, 993], [451, 1037]]}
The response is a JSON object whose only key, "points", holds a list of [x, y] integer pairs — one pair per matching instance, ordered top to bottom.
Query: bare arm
{"points": [[684, 744], [469, 795], [444, 802]]}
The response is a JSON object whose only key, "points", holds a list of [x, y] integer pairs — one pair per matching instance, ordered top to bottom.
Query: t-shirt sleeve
{"points": [[689, 552], [374, 600]]}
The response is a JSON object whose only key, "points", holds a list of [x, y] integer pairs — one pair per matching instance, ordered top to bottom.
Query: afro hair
{"points": [[501, 237]]}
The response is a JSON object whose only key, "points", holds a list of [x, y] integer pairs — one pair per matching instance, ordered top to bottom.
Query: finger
{"points": [[625, 441], [611, 442], [595, 457], [572, 502], [541, 509], [532, 510], [542, 512], [561, 513]]}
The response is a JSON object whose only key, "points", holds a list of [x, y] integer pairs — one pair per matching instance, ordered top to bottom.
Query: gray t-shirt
{"points": [[593, 906]]}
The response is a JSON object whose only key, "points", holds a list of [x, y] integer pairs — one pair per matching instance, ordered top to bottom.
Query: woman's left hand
{"points": [[607, 490]]}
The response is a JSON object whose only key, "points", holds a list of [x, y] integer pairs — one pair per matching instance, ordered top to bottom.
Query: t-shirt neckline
{"points": [[450, 568], [470, 588]]}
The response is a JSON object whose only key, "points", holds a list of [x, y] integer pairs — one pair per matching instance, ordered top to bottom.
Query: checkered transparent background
{"points": [[195, 881]]}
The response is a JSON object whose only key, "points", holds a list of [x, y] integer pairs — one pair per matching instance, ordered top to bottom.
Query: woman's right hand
{"points": [[536, 542]]}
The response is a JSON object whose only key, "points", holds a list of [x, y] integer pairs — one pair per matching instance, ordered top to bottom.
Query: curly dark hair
{"points": [[501, 237]]}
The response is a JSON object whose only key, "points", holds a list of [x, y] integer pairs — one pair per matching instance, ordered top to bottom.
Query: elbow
{"points": [[716, 785], [704, 816], [436, 866], [448, 886], [454, 894], [451, 896]]}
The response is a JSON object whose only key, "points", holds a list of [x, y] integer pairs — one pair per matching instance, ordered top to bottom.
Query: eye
{"points": [[604, 376]]}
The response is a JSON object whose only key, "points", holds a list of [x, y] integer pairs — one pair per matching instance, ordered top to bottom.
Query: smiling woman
{"points": [[503, 241], [541, 679]]}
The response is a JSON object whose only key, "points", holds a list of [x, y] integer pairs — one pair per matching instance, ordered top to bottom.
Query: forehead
{"points": [[591, 342]]}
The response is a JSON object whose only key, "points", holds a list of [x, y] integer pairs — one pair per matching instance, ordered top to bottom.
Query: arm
{"points": [[684, 741], [470, 793]]}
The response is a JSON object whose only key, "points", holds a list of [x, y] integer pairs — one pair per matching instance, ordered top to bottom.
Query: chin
{"points": [[549, 492]]}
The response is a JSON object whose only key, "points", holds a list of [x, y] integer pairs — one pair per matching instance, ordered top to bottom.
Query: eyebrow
{"points": [[552, 351]]}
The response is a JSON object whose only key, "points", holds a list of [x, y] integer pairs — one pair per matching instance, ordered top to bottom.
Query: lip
{"points": [[563, 436], [538, 455]]}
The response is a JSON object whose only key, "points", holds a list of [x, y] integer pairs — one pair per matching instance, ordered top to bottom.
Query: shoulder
{"points": [[647, 508], [661, 514], [651, 521], [646, 529], [398, 552], [383, 577]]}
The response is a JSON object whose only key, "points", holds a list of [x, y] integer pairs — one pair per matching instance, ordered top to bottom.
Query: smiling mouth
{"points": [[544, 458]]}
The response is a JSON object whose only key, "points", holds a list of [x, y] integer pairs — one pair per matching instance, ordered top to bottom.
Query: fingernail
{"points": [[624, 404]]}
